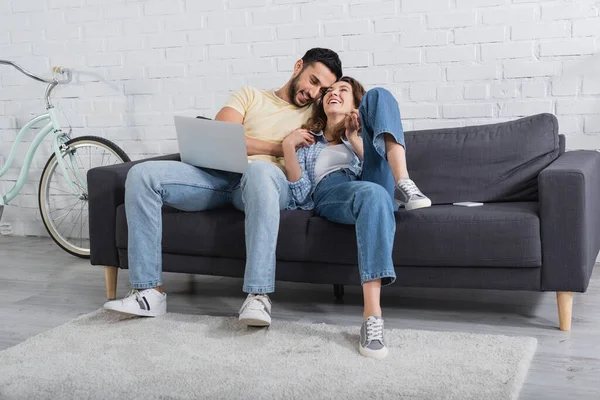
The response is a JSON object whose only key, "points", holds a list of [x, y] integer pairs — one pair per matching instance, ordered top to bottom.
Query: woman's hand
{"points": [[352, 124], [299, 138]]}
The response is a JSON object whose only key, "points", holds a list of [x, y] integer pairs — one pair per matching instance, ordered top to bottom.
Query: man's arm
{"points": [[254, 146]]}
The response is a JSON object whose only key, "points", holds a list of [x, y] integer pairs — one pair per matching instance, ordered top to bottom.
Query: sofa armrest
{"points": [[106, 191], [569, 194]]}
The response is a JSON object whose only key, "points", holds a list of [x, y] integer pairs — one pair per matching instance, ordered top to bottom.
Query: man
{"points": [[261, 192]]}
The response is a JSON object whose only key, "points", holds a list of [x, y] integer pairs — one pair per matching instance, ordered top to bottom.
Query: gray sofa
{"points": [[539, 229]]}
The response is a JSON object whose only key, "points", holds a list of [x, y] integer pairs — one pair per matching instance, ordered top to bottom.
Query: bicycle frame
{"points": [[59, 140]]}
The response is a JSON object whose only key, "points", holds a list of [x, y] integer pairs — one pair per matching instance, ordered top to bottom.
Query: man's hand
{"points": [[299, 138]]}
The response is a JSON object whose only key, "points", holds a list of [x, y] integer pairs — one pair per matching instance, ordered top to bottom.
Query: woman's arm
{"points": [[352, 125], [357, 144], [295, 164], [293, 170]]}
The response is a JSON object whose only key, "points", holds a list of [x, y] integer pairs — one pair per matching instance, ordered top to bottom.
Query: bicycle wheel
{"points": [[65, 213]]}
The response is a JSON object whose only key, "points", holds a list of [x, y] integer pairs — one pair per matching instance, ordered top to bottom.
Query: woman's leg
{"points": [[384, 149], [371, 296]]}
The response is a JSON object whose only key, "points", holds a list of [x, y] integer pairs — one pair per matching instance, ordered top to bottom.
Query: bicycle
{"points": [[63, 183]]}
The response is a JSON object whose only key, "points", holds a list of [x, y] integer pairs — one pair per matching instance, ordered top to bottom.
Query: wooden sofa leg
{"points": [[111, 274], [565, 310]]}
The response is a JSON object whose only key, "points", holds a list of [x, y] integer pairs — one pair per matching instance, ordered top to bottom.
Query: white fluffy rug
{"points": [[106, 356]]}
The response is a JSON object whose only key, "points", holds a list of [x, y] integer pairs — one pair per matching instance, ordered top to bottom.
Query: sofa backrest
{"points": [[487, 163]]}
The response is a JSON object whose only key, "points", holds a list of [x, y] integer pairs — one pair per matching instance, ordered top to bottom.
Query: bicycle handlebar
{"points": [[60, 70]]}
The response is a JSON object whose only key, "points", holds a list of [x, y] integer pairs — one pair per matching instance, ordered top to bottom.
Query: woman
{"points": [[326, 176]]}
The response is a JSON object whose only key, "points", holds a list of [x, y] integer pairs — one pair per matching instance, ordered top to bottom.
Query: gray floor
{"points": [[42, 287]]}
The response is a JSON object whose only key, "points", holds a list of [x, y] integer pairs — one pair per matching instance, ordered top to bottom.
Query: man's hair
{"points": [[328, 57]]}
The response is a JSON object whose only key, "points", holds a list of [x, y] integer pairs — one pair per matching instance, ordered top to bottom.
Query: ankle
{"points": [[159, 289], [372, 314]]}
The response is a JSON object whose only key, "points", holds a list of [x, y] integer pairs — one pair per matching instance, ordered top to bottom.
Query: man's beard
{"points": [[293, 90]]}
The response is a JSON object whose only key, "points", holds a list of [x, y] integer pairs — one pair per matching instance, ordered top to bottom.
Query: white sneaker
{"points": [[145, 303], [256, 310]]}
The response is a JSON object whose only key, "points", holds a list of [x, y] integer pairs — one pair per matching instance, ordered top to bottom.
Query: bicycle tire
{"points": [[49, 168]]}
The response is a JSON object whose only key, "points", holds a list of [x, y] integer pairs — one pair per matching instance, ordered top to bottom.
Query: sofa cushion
{"points": [[488, 163], [493, 235]]}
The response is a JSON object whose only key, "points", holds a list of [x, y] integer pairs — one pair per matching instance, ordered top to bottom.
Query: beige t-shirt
{"points": [[267, 117]]}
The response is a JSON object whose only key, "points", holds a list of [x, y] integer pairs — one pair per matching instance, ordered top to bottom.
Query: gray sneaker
{"points": [[407, 194], [371, 339]]}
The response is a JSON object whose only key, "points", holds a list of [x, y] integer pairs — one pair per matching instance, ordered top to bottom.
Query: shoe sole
{"points": [[414, 205], [141, 313], [255, 319], [376, 354]]}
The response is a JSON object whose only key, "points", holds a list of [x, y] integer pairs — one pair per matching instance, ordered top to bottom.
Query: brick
{"points": [[65, 3], [246, 3], [479, 3], [28, 5], [195, 6], [418, 6], [160, 7], [383, 8], [123, 11], [322, 11], [569, 11], [84, 14], [508, 16], [273, 17], [228, 19], [452, 20], [13, 21], [174, 23], [401, 24], [147, 25], [586, 27], [346, 28], [103, 29], [546, 30], [298, 31], [64, 32], [251, 35], [479, 35], [26, 36], [207, 36], [425, 38], [165, 40], [371, 42], [125, 43], [333, 43], [568, 47], [277, 48], [509, 50], [229, 51], [451, 53], [186, 54], [143, 57], [353, 59], [104, 60], [286, 64], [255, 65], [213, 67], [522, 69], [166, 71], [472, 72], [125, 73], [418, 74], [369, 76], [227, 83], [591, 85], [565, 86], [142, 87], [533, 89], [422, 92], [477, 92], [449, 93], [579, 106], [525, 108], [468, 110], [411, 111], [106, 120], [427, 124], [568, 124], [592, 124]]}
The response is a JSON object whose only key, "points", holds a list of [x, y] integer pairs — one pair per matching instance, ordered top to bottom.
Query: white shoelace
{"points": [[409, 187], [135, 293], [374, 330]]}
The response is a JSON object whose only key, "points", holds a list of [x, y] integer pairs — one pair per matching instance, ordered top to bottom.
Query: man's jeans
{"points": [[261, 193], [369, 202]]}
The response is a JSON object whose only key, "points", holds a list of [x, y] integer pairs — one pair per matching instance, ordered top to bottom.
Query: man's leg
{"points": [[384, 149], [149, 185], [264, 191]]}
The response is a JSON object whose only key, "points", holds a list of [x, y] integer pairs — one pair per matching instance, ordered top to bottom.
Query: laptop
{"points": [[212, 144]]}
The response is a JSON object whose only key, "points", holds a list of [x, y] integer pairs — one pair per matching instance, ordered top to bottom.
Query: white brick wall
{"points": [[448, 62]]}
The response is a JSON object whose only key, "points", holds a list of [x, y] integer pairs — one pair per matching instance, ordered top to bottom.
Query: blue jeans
{"points": [[261, 192], [368, 203]]}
